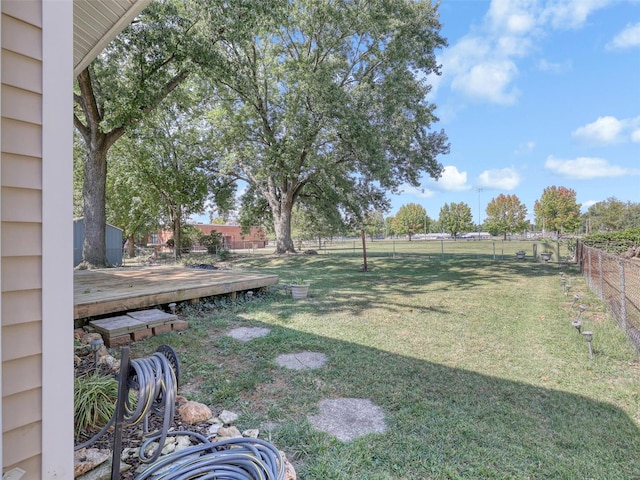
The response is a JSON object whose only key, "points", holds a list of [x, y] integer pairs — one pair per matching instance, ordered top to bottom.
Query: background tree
{"points": [[120, 87], [325, 106], [168, 154], [130, 202], [557, 210], [506, 215], [612, 215], [456, 218], [411, 219], [374, 224], [388, 226]]}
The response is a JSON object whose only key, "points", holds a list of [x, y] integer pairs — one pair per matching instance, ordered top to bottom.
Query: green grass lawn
{"points": [[473, 360]]}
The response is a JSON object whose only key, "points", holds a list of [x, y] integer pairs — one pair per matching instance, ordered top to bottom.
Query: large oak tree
{"points": [[126, 82], [324, 103]]}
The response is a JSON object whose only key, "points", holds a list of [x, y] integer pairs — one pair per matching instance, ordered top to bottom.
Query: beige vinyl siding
{"points": [[20, 171], [21, 235], [21, 306]]}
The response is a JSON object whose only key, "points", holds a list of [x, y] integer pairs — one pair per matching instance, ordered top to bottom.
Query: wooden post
{"points": [[364, 251]]}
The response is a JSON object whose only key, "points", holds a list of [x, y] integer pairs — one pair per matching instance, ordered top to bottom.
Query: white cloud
{"points": [[571, 14], [627, 38], [482, 65], [551, 67], [489, 81], [609, 130], [525, 148], [587, 168], [499, 179], [452, 180], [418, 192], [584, 206]]}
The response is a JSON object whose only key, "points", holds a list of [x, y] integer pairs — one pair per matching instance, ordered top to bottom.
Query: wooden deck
{"points": [[101, 292]]}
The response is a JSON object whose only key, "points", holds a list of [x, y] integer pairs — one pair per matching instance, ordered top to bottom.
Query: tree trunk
{"points": [[282, 227], [177, 238], [132, 246], [94, 251]]}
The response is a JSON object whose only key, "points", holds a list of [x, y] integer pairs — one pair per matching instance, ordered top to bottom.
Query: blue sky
{"points": [[534, 94]]}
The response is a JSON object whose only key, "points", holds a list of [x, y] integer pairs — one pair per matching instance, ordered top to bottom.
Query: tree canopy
{"points": [[129, 79], [323, 104], [557, 210], [505, 215], [611, 215], [456, 218], [411, 219]]}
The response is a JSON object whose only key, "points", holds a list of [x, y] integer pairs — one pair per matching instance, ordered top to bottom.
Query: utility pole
{"points": [[480, 190]]}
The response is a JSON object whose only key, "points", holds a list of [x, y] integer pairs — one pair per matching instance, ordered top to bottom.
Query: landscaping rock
{"points": [[194, 412], [228, 417], [86, 459]]}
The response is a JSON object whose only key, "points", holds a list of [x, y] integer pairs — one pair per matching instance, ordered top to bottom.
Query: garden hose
{"points": [[155, 381], [231, 459]]}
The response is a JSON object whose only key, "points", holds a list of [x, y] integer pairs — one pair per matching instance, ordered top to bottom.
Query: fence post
{"points": [[601, 281], [623, 297]]}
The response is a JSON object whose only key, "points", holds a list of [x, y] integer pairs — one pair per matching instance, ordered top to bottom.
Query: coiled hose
{"points": [[154, 380]]}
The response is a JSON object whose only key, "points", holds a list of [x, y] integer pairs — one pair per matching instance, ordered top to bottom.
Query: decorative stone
{"points": [[244, 334], [194, 412], [228, 417], [349, 418], [213, 429], [225, 433], [251, 433], [182, 442], [86, 459], [289, 471]]}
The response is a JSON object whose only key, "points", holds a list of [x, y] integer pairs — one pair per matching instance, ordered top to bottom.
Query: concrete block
{"points": [[180, 325], [157, 330], [142, 334]]}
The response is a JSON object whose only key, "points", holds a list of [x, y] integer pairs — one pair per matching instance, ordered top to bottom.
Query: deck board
{"points": [[112, 290]]}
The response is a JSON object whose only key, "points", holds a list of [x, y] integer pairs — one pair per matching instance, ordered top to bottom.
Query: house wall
{"points": [[21, 235], [233, 236], [36, 294]]}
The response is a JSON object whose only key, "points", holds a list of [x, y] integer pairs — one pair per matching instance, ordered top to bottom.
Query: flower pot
{"points": [[520, 255], [546, 256], [299, 290]]}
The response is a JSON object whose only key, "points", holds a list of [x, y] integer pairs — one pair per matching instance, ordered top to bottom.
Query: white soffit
{"points": [[96, 23]]}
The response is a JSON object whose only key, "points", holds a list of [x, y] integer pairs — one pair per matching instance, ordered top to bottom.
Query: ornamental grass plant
{"points": [[473, 360]]}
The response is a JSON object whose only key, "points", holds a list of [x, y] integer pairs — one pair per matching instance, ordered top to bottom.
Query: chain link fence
{"points": [[616, 281]]}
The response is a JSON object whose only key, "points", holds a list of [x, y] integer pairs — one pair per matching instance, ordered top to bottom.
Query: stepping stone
{"points": [[244, 334], [302, 360], [349, 418]]}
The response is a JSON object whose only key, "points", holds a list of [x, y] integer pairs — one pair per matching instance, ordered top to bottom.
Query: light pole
{"points": [[480, 190]]}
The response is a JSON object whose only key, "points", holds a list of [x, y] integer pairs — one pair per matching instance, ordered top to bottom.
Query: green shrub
{"points": [[212, 242], [94, 401]]}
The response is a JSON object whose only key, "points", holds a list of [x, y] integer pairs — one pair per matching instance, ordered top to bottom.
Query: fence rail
{"points": [[616, 281]]}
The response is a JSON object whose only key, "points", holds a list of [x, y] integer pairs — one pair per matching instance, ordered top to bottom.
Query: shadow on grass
{"points": [[339, 282], [442, 422]]}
